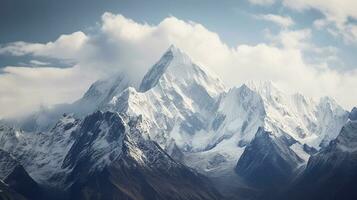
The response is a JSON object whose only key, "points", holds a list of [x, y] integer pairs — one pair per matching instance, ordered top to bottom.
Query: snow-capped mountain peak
{"points": [[173, 57], [175, 65], [152, 77], [263, 87], [101, 92], [176, 98], [185, 111], [306, 120], [331, 173]]}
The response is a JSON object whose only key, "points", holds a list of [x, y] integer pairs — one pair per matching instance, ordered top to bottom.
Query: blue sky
{"points": [[45, 20], [319, 36]]}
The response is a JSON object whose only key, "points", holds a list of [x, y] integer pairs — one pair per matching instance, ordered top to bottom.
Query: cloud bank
{"points": [[337, 15], [279, 20], [121, 44]]}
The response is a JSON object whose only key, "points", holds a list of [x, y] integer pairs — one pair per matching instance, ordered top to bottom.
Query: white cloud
{"points": [[262, 2], [334, 10], [336, 13], [280, 20], [320, 23], [349, 32], [298, 39], [123, 44], [65, 47], [38, 63], [24, 89]]}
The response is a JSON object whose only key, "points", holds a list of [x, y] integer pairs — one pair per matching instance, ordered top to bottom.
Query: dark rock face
{"points": [[153, 76], [353, 114], [217, 122], [97, 136], [309, 150], [174, 151], [110, 156], [267, 162], [136, 168], [332, 172], [16, 178], [125, 179], [22, 183], [6, 193]]}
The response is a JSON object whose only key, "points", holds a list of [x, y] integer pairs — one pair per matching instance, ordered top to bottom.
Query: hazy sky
{"points": [[50, 51]]}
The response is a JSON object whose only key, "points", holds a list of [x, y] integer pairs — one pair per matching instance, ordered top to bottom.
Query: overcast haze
{"points": [[51, 51]]}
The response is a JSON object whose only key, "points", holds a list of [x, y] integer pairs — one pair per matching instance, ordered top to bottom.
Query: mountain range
{"points": [[181, 134]]}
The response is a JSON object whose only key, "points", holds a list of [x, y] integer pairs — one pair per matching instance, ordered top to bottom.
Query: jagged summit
{"points": [[174, 50], [176, 65], [152, 77], [261, 85], [102, 91], [330, 103], [186, 114], [353, 114], [314, 122], [261, 133], [110, 157], [267, 158], [15, 176]]}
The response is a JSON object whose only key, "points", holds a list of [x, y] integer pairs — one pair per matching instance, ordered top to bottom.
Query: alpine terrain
{"points": [[181, 134]]}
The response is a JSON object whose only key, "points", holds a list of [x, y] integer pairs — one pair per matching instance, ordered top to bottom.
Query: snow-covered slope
{"points": [[100, 93], [176, 98], [185, 106], [186, 110], [241, 111], [238, 115], [306, 120], [303, 122], [99, 141], [104, 147], [41, 153], [111, 158], [7, 164], [331, 173], [13, 174]]}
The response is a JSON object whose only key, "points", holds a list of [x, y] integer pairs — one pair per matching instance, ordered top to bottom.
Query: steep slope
{"points": [[100, 93], [176, 99], [185, 106], [187, 111], [241, 111], [189, 114], [353, 114], [306, 120], [301, 122], [104, 148], [41, 153], [112, 159], [267, 162], [332, 173], [16, 178]]}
